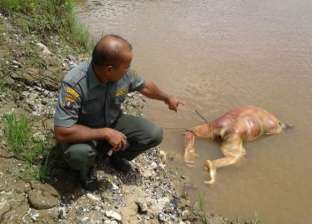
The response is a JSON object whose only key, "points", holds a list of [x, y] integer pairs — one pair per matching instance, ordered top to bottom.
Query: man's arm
{"points": [[151, 90], [78, 133], [81, 133]]}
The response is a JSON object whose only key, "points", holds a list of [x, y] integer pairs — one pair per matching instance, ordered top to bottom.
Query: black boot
{"points": [[120, 164], [88, 179]]}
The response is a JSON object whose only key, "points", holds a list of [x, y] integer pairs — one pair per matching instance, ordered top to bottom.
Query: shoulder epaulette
{"points": [[75, 75]]}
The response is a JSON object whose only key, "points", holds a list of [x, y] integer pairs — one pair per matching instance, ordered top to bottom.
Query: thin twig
{"points": [[201, 116]]}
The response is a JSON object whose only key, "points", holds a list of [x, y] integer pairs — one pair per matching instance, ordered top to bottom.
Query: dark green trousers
{"points": [[141, 135]]}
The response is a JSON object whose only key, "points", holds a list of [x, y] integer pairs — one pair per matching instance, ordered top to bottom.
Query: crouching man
{"points": [[88, 119]]}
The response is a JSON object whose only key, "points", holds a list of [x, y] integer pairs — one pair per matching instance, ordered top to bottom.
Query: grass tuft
{"points": [[17, 133], [21, 143], [199, 210]]}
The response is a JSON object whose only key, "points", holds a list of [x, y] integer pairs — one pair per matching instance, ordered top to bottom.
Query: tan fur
{"points": [[233, 128]]}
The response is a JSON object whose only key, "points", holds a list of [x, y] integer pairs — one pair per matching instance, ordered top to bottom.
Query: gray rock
{"points": [[46, 93], [43, 196], [142, 207], [162, 217]]}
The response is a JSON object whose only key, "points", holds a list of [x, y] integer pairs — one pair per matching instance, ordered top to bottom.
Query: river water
{"points": [[217, 55]]}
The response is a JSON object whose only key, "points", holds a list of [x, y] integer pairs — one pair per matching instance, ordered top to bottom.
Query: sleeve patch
{"points": [[72, 92], [70, 98], [68, 104]]}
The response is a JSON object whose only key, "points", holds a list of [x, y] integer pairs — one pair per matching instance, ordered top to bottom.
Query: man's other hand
{"points": [[116, 139]]}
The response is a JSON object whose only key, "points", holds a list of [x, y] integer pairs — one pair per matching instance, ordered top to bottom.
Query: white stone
{"points": [[44, 49], [154, 165], [114, 187], [93, 197], [62, 212], [34, 215], [114, 215]]}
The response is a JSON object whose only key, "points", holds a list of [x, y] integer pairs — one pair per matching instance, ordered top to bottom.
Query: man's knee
{"points": [[155, 136], [79, 156]]}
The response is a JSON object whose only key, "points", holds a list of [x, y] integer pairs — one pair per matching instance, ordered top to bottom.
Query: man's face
{"points": [[116, 73]]}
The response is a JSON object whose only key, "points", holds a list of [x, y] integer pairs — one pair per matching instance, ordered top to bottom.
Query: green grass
{"points": [[48, 17], [3, 87], [18, 134], [20, 141], [200, 211], [255, 220]]}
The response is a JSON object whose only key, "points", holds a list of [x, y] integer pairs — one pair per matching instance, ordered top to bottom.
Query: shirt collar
{"points": [[92, 79]]}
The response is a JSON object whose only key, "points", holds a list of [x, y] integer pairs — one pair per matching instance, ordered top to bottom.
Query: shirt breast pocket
{"points": [[92, 106], [92, 114]]}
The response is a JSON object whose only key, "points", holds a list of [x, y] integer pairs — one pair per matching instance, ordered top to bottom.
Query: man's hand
{"points": [[150, 90], [173, 103], [116, 139]]}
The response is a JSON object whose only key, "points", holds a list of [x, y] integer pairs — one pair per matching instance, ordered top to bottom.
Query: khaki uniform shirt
{"points": [[84, 100]]}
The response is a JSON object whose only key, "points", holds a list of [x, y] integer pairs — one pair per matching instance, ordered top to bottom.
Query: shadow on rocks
{"points": [[57, 173], [133, 177], [66, 181]]}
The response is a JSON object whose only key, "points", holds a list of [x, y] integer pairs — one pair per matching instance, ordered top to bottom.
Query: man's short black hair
{"points": [[104, 55]]}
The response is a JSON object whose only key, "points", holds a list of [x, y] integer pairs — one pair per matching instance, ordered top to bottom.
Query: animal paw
{"points": [[190, 155], [189, 162], [190, 165], [212, 172], [209, 182]]}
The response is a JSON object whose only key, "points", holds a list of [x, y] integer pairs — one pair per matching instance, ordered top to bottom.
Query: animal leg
{"points": [[201, 131], [233, 150], [189, 151], [212, 166], [212, 171]]}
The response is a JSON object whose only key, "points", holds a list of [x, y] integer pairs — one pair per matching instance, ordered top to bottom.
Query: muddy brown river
{"points": [[217, 55]]}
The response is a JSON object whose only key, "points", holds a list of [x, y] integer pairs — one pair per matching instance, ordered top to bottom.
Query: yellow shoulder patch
{"points": [[72, 92], [70, 97]]}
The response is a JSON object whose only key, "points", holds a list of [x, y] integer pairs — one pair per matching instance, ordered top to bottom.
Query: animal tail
{"points": [[287, 126]]}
